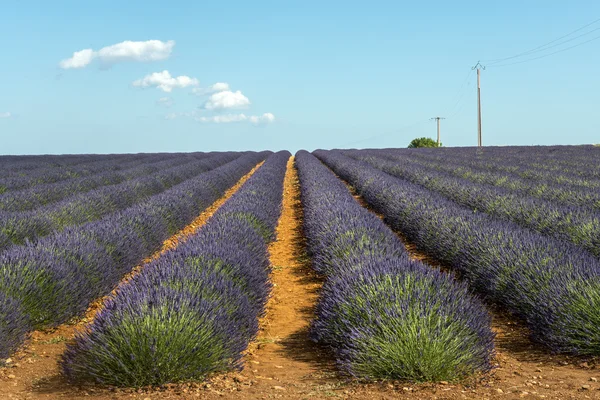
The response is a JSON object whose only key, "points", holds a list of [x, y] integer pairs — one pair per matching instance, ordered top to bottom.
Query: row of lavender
{"points": [[571, 161], [27, 163], [549, 170], [16, 176], [547, 185], [44, 194], [577, 224], [17, 228], [50, 281], [553, 285], [195, 309], [383, 314]]}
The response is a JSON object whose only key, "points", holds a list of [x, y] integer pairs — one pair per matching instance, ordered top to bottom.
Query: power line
{"points": [[544, 46], [553, 46], [545, 55], [496, 63], [461, 92], [462, 106], [404, 128]]}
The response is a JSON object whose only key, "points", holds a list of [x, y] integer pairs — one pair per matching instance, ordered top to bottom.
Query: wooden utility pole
{"points": [[479, 67], [438, 129]]}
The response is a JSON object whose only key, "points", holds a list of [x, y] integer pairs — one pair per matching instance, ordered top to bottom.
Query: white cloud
{"points": [[150, 50], [79, 60], [165, 82], [215, 88], [226, 100], [165, 102], [5, 114], [227, 118], [266, 118], [218, 119]]}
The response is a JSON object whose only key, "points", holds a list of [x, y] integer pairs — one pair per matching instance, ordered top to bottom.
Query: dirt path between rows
{"points": [[283, 358], [283, 361], [33, 372]]}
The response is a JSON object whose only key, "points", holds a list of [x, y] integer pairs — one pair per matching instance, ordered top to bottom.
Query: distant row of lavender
{"points": [[573, 161], [27, 163], [540, 166], [15, 176], [545, 185], [44, 194], [579, 225], [17, 228], [48, 282], [553, 285], [195, 309], [383, 314]]}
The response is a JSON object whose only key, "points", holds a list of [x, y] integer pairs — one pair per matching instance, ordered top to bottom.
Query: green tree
{"points": [[423, 142]]}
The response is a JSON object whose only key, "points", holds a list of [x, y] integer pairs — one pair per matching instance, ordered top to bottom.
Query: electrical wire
{"points": [[546, 46], [545, 55], [497, 63], [460, 94], [459, 109], [404, 128]]}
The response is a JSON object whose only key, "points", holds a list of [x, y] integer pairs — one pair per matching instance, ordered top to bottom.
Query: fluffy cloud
{"points": [[150, 50], [79, 60], [165, 82], [217, 87], [226, 100], [165, 102], [5, 114], [223, 119], [254, 119], [264, 119]]}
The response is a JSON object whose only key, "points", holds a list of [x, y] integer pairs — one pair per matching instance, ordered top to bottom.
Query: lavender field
{"points": [[514, 230]]}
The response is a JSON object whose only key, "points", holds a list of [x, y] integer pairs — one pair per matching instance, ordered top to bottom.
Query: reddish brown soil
{"points": [[283, 363]]}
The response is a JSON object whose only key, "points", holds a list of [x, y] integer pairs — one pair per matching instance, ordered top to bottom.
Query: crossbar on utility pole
{"points": [[479, 67], [438, 128]]}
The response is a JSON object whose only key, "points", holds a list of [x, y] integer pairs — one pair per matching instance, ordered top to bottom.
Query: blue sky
{"points": [[311, 74]]}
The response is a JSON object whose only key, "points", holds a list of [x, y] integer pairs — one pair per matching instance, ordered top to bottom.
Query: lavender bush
{"points": [[44, 194], [579, 225], [22, 227], [56, 278], [553, 285], [194, 310], [383, 314]]}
